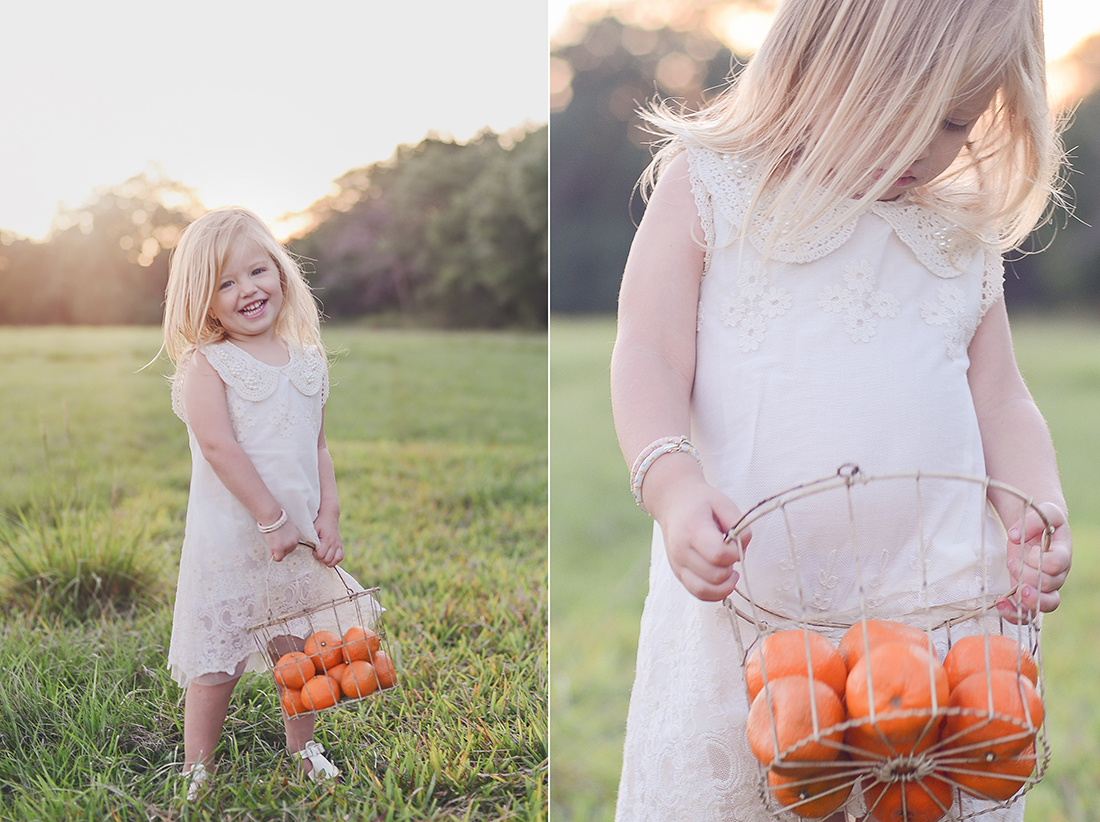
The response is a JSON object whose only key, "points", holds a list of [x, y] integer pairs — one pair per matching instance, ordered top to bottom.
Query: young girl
{"points": [[817, 281], [263, 534]]}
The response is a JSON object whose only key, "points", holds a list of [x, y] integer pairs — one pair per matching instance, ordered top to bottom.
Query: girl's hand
{"points": [[696, 517], [282, 541], [330, 548], [1040, 574]]}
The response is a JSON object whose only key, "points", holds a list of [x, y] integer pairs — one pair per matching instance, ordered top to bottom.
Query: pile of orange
{"points": [[330, 668], [882, 705]]}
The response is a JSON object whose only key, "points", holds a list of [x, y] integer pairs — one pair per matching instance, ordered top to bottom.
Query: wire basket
{"points": [[328, 656], [881, 677]]}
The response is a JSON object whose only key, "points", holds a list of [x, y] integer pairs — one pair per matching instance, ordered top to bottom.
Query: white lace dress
{"points": [[850, 351], [227, 581]]}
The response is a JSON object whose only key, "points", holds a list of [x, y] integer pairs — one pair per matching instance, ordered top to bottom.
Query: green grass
{"points": [[439, 442], [599, 550]]}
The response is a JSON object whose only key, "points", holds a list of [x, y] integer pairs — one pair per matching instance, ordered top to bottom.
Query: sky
{"points": [[259, 104]]}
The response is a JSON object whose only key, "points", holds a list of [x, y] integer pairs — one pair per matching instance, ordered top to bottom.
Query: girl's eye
{"points": [[949, 125], [258, 271], [225, 284]]}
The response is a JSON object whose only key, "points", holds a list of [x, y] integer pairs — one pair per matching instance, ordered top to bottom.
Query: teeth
{"points": [[253, 308]]}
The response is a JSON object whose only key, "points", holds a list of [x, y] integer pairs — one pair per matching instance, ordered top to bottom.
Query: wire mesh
{"points": [[328, 656], [881, 677]]}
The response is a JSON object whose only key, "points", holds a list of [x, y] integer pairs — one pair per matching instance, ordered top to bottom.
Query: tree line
{"points": [[444, 233]]}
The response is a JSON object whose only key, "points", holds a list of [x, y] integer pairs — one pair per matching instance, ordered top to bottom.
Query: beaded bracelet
{"points": [[650, 454], [276, 525]]}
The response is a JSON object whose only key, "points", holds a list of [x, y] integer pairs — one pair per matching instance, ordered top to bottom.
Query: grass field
{"points": [[439, 442], [599, 550]]}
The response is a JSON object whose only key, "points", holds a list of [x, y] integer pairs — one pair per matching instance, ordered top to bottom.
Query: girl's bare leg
{"points": [[204, 710], [299, 731]]}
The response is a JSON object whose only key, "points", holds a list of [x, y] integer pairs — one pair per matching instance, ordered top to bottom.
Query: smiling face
{"points": [[950, 137], [248, 295]]}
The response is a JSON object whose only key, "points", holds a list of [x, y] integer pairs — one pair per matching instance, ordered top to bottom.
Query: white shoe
{"points": [[322, 768], [195, 778]]}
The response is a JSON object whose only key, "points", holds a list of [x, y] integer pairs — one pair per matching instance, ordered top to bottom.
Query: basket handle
{"points": [[312, 546]]}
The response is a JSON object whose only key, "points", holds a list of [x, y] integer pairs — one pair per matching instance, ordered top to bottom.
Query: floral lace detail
{"points": [[857, 300], [950, 310], [749, 311], [240, 414], [283, 418]]}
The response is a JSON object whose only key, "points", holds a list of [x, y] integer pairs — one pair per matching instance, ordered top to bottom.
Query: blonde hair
{"points": [[842, 88], [196, 264]]}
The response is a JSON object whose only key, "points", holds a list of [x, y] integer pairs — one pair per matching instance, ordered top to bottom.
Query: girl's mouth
{"points": [[908, 179], [254, 309]]}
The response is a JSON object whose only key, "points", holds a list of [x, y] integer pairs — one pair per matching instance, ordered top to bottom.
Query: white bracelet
{"points": [[650, 454], [276, 525]]}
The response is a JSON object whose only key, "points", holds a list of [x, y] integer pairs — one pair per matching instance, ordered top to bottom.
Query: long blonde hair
{"points": [[842, 88], [196, 264]]}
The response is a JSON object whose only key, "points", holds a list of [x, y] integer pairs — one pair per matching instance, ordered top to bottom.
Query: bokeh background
{"points": [[607, 60]]}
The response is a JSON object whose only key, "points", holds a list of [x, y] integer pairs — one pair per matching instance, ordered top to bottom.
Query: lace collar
{"points": [[939, 244], [253, 379]]}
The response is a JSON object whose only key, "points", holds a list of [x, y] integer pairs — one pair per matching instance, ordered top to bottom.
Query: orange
{"points": [[360, 643], [854, 644], [326, 649], [792, 653], [967, 656], [383, 669], [293, 670], [337, 672], [359, 679], [900, 689], [320, 692], [291, 700], [793, 700], [998, 729], [997, 780], [810, 797], [916, 800]]}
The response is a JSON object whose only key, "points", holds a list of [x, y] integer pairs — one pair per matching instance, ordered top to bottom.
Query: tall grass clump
{"points": [[76, 562]]}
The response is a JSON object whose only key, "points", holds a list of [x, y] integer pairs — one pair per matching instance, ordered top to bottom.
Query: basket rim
{"points": [[850, 474], [351, 597]]}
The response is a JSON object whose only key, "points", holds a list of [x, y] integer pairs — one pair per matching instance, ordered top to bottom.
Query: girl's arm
{"points": [[652, 372], [208, 414], [1019, 452], [330, 548]]}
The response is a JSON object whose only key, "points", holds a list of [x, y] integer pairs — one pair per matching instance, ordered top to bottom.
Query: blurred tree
{"points": [[598, 151], [450, 232], [105, 262], [1066, 271]]}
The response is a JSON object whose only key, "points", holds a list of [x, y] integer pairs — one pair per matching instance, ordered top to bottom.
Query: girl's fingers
{"points": [[705, 590]]}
